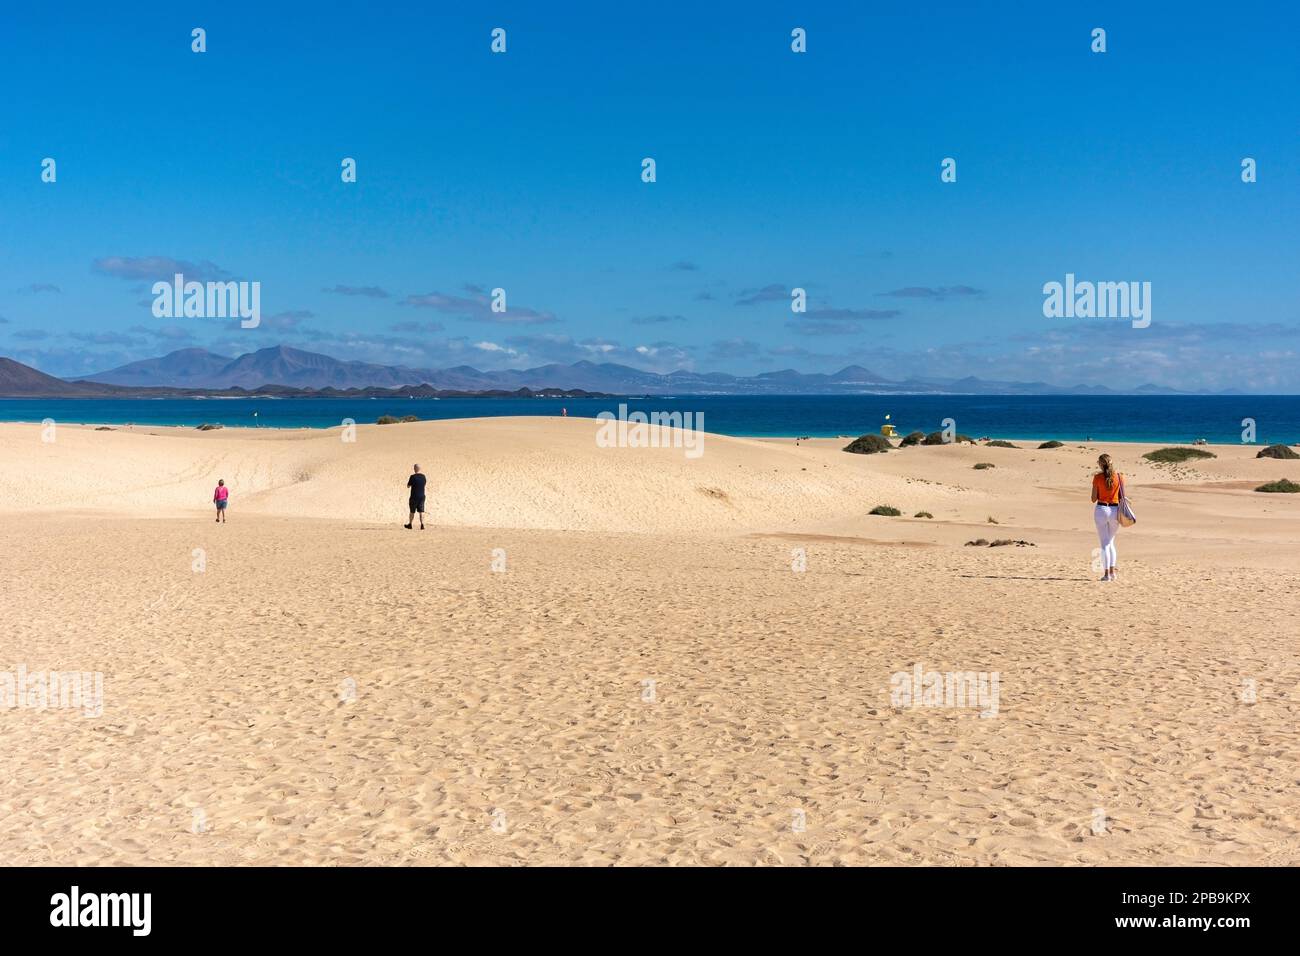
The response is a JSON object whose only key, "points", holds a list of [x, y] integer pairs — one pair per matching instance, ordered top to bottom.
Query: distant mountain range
{"points": [[281, 365], [23, 381]]}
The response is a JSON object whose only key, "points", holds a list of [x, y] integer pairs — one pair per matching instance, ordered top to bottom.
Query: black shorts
{"points": [[417, 504]]}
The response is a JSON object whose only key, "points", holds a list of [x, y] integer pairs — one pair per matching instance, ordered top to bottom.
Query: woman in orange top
{"points": [[1107, 488]]}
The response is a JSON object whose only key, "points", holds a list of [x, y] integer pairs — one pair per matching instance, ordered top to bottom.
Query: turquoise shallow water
{"points": [[1179, 418]]}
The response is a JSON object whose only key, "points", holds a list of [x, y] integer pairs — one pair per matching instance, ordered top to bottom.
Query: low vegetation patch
{"points": [[410, 418], [386, 420], [205, 427], [104, 428], [912, 438], [936, 438], [999, 443], [1052, 444], [868, 445], [1277, 451], [1177, 455], [981, 465], [1283, 486], [885, 510], [923, 514], [992, 520], [1000, 543]]}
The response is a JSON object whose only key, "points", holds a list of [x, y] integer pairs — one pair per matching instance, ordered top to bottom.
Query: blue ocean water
{"points": [[1175, 418]]}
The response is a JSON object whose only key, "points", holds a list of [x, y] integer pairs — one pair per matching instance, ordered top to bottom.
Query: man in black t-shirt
{"points": [[416, 484]]}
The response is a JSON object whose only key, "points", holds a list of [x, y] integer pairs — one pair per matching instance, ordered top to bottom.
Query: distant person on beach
{"points": [[416, 484], [1107, 490], [220, 498]]}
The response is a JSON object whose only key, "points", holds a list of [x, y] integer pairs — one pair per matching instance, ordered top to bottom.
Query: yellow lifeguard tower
{"points": [[887, 430]]}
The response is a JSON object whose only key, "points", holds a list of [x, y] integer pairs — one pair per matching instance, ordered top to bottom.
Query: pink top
{"points": [[221, 494]]}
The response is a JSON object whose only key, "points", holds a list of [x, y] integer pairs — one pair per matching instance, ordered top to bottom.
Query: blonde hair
{"points": [[1107, 470]]}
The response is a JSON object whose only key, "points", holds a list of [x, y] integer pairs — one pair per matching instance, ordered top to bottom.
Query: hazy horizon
{"points": [[885, 375]]}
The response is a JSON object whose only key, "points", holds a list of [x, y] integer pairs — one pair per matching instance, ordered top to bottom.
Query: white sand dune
{"points": [[492, 472], [331, 688]]}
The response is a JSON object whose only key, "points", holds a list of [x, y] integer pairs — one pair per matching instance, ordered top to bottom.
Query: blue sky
{"points": [[775, 170]]}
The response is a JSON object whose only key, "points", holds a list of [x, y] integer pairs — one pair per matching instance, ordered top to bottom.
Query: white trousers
{"points": [[1107, 524]]}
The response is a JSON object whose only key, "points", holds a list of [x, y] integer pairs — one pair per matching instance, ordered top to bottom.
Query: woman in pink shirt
{"points": [[220, 497]]}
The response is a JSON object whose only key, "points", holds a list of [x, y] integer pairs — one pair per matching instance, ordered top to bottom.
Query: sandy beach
{"points": [[630, 656]]}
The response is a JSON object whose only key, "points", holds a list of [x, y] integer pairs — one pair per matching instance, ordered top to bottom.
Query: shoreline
{"points": [[1221, 420], [130, 427]]}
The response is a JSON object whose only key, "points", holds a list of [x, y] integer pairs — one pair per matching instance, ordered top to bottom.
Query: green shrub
{"points": [[410, 418], [386, 420], [205, 427], [912, 438], [936, 438], [999, 443], [1052, 444], [868, 445], [1277, 451], [1177, 455], [981, 465], [1283, 486], [885, 510], [923, 514]]}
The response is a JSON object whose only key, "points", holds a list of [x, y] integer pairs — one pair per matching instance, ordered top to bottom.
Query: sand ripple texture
{"points": [[640, 686]]}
